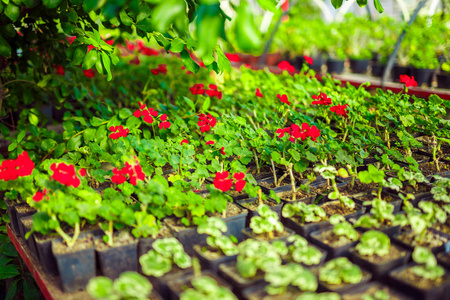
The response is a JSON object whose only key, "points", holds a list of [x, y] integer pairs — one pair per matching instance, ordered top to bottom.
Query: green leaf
{"points": [[51, 3], [338, 3], [361, 3], [89, 5], [378, 6], [12, 11], [125, 19], [145, 25], [177, 45], [5, 48], [78, 55], [90, 59], [222, 61], [188, 62], [107, 64], [206, 104], [125, 113], [34, 120], [96, 121], [89, 134], [21, 136], [74, 143], [48, 144], [59, 150], [295, 154], [8, 271], [29, 291], [12, 292]]}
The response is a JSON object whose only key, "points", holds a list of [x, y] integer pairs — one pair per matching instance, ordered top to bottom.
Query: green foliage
{"points": [[306, 213], [267, 222], [214, 227], [342, 228], [373, 242], [301, 252], [428, 267], [340, 270], [290, 275], [130, 285], [206, 288]]}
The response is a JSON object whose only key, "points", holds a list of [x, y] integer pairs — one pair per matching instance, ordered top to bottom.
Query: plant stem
{"points": [[256, 161], [274, 172], [380, 188], [294, 192], [260, 200], [110, 233]]}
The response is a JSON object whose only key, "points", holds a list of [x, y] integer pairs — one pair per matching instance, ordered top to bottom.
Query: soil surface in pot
{"points": [[429, 168], [263, 171], [271, 185], [358, 188], [299, 194], [254, 205], [334, 207], [22, 209], [444, 228], [264, 237], [328, 237], [119, 239], [431, 240], [83, 243], [209, 252], [394, 253], [232, 271], [408, 276], [371, 291], [291, 293]]}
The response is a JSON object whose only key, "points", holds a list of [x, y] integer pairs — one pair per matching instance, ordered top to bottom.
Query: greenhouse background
{"points": [[206, 149]]}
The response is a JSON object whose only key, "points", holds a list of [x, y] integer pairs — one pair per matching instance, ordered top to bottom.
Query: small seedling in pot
{"points": [[330, 173], [372, 174], [412, 177], [441, 188], [311, 213], [382, 213], [267, 223], [215, 227], [342, 228], [373, 242], [166, 252], [303, 253], [257, 255], [427, 267], [340, 270], [283, 276], [130, 285], [206, 288], [378, 295], [319, 296]]}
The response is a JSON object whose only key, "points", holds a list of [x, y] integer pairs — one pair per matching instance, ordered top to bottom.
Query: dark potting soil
{"points": [[429, 168], [264, 170], [271, 185], [358, 188], [419, 188], [234, 193], [299, 194], [254, 205], [333, 208], [22, 209], [27, 222], [444, 228], [264, 237], [328, 237], [119, 239], [431, 239], [60, 247], [209, 252], [394, 253], [232, 271], [408, 276], [371, 291]]}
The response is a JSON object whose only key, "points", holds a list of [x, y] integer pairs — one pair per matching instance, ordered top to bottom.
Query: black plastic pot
{"points": [[316, 66], [335, 66], [359, 66], [378, 69], [398, 70], [422, 76], [443, 80], [308, 199], [393, 199], [22, 210], [251, 213], [12, 216], [26, 224], [305, 229], [249, 234], [333, 252], [45, 253], [113, 261], [211, 264], [76, 267], [380, 270], [229, 272], [160, 283], [177, 286], [346, 287], [370, 289], [441, 291], [257, 292]]}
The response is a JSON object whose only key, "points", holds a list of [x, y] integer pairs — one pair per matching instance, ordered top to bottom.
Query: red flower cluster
{"points": [[145, 50], [232, 57], [308, 59], [284, 65], [161, 69], [59, 70], [89, 73], [408, 81], [198, 89], [214, 92], [258, 93], [283, 99], [322, 99], [340, 110], [148, 113], [206, 122], [164, 124], [118, 131], [302, 133], [185, 141], [210, 143], [222, 151], [11, 169], [134, 173], [66, 174], [223, 183], [40, 195]]}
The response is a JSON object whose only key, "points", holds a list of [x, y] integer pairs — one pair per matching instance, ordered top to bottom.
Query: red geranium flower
{"points": [[70, 39], [130, 46], [90, 47], [232, 57], [308, 59], [284, 65], [160, 69], [59, 70], [187, 72], [89, 73], [408, 81], [198, 89], [213, 92], [258, 93], [283, 99], [322, 99], [340, 110], [206, 122], [164, 124], [118, 131], [302, 133], [185, 141], [210, 143], [222, 150], [11, 169], [82, 172], [134, 172], [65, 174], [221, 182], [239, 185], [39, 195]]}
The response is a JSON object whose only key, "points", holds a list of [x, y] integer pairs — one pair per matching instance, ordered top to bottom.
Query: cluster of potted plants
{"points": [[252, 185]]}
